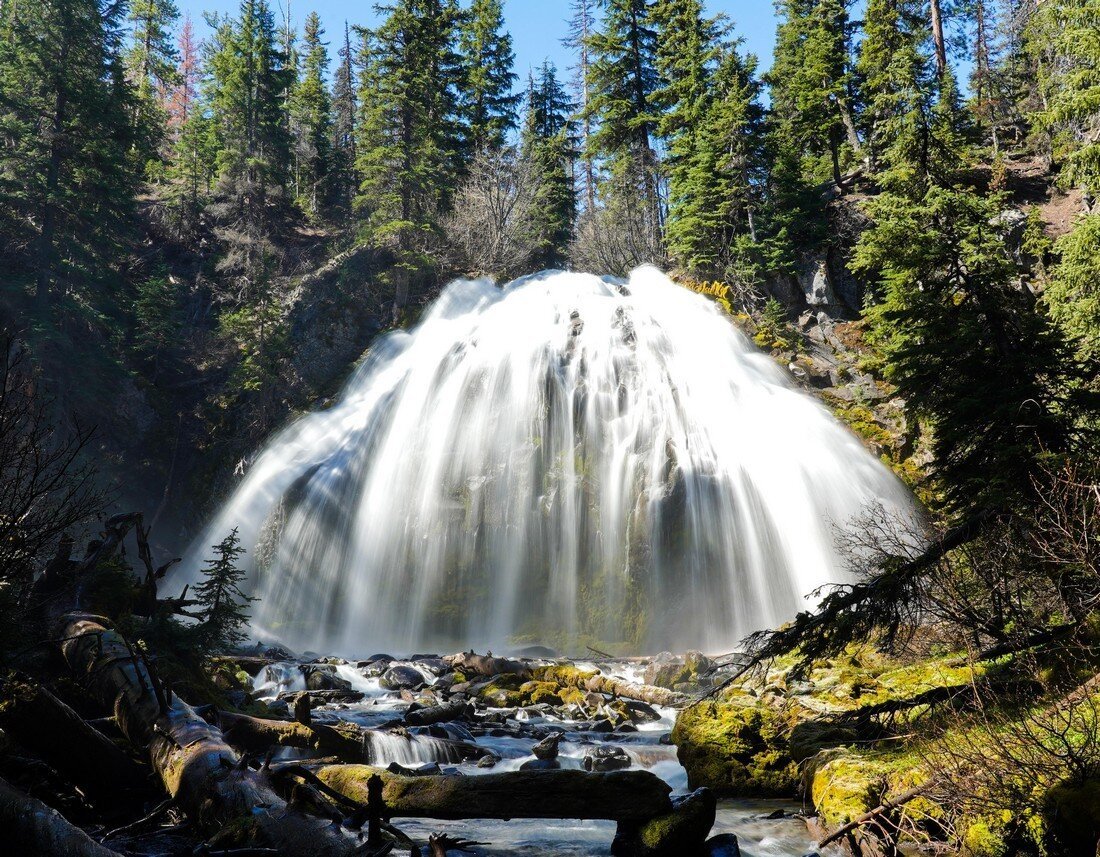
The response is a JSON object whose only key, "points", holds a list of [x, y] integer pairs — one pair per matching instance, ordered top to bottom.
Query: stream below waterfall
{"points": [[764, 828]]}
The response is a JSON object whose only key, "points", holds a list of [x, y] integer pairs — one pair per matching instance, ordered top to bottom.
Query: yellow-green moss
{"points": [[737, 750]]}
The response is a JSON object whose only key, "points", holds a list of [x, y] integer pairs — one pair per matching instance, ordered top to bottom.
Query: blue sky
{"points": [[537, 26]]}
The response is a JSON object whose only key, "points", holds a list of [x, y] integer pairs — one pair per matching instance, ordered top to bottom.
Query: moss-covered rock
{"points": [[737, 750], [679, 833]]}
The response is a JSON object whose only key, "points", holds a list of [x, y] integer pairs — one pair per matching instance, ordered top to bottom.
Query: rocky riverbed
{"points": [[468, 715]]}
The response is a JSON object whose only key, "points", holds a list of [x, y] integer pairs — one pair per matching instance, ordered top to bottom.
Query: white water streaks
{"points": [[563, 456]]}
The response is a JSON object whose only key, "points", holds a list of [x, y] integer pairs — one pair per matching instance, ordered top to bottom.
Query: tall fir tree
{"points": [[582, 24], [688, 48], [151, 65], [622, 80], [897, 83], [810, 85], [244, 91], [488, 102], [1070, 115], [311, 122], [409, 140], [549, 147], [343, 182], [67, 184], [719, 187]]}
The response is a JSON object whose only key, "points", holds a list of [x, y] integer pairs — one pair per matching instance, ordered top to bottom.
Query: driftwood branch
{"points": [[873, 815]]}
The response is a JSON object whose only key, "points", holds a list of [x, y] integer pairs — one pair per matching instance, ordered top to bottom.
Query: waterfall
{"points": [[563, 458]]}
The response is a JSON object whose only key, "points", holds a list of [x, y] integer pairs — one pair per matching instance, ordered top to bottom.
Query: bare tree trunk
{"points": [[938, 39]]}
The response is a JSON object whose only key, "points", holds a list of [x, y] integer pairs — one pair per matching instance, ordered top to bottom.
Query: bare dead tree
{"points": [[490, 230], [624, 233], [48, 492]]}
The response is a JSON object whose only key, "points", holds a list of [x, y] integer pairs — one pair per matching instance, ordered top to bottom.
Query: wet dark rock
{"points": [[278, 653], [431, 663], [323, 677], [401, 677], [641, 712], [603, 726], [626, 727], [547, 748], [606, 758], [488, 761], [541, 765], [425, 770], [774, 816], [722, 845]]}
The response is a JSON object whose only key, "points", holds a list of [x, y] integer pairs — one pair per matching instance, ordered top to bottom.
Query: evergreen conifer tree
{"points": [[151, 66], [622, 80], [897, 83], [810, 84], [488, 103], [311, 122], [409, 144], [549, 147], [66, 183], [343, 183], [719, 184], [223, 604]]}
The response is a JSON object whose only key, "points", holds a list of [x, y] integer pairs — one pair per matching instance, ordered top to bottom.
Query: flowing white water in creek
{"points": [[563, 456]]}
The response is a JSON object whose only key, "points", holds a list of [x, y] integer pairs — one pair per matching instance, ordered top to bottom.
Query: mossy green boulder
{"points": [[737, 750]]}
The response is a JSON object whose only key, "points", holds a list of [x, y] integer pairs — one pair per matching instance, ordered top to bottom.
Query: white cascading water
{"points": [[563, 458]]}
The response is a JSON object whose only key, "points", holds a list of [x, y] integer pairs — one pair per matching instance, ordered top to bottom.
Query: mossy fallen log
{"points": [[596, 682], [200, 771], [627, 796], [31, 827]]}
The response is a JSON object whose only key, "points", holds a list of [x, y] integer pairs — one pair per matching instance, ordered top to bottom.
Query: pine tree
{"points": [[582, 23], [687, 51], [151, 66], [622, 80], [897, 84], [810, 85], [1071, 87], [244, 92], [488, 103], [311, 122], [409, 144], [549, 147], [343, 182], [66, 184], [719, 185], [948, 316], [222, 603]]}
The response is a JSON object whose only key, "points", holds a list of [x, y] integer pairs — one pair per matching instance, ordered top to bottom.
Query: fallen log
{"points": [[85, 756], [207, 779], [631, 796], [31, 827]]}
